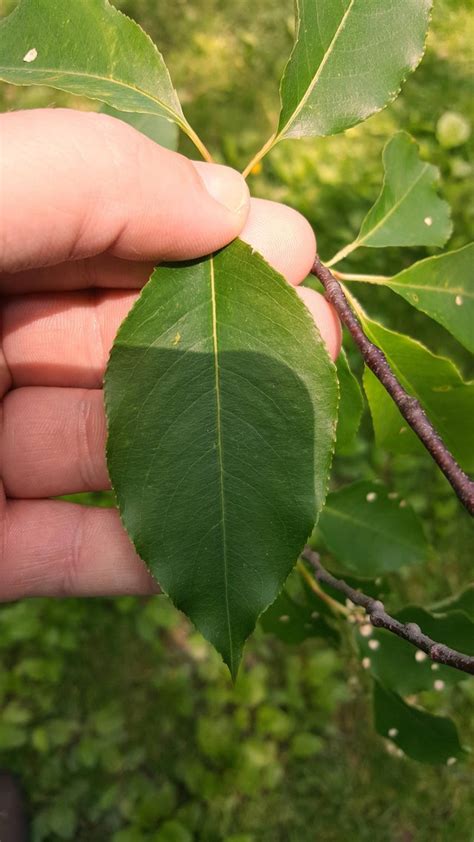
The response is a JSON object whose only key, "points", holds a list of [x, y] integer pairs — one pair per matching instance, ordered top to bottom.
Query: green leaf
{"points": [[88, 48], [349, 60], [157, 128], [408, 211], [443, 288], [435, 381], [351, 403], [221, 404], [368, 533], [463, 601], [293, 622], [403, 668], [422, 736]]}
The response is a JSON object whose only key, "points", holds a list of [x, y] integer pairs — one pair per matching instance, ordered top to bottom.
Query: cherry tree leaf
{"points": [[88, 47], [349, 60], [408, 212], [443, 288], [435, 381], [221, 402], [351, 403], [368, 532], [463, 601], [292, 622], [406, 670], [420, 735]]}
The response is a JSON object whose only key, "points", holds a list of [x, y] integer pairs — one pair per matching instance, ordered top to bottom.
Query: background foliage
{"points": [[119, 719]]}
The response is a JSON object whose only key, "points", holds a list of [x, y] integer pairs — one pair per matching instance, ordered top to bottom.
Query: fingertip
{"points": [[227, 187], [282, 236], [325, 317]]}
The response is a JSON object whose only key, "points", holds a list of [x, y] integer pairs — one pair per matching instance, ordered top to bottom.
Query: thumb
{"points": [[77, 184]]}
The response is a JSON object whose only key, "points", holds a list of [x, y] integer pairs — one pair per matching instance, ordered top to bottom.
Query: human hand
{"points": [[88, 206]]}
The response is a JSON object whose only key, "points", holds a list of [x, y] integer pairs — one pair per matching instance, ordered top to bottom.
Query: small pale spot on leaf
{"points": [[31, 55], [428, 220], [458, 300], [177, 339], [371, 496], [403, 504], [284, 618], [366, 630], [374, 644], [420, 656], [366, 663], [435, 667], [439, 684], [393, 732], [451, 761]]}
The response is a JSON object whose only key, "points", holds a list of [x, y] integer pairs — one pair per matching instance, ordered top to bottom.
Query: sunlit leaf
{"points": [[88, 47], [349, 60], [408, 211], [443, 288], [438, 385], [221, 403], [351, 403], [368, 532], [406, 670], [420, 735]]}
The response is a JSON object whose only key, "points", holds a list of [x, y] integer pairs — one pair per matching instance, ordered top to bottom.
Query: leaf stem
{"points": [[194, 138], [259, 155], [340, 255], [365, 279], [333, 604], [438, 652]]}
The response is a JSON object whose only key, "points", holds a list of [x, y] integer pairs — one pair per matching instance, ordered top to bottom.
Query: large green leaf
{"points": [[88, 47], [348, 61], [408, 211], [443, 288], [438, 385], [221, 403], [351, 403], [367, 531], [403, 668], [422, 736]]}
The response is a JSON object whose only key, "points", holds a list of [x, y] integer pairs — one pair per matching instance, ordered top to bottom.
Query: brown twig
{"points": [[409, 407], [411, 632]]}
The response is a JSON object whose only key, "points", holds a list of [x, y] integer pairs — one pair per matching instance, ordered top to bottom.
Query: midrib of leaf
{"points": [[54, 70], [318, 73], [394, 207], [359, 241], [429, 288], [220, 454], [365, 525]]}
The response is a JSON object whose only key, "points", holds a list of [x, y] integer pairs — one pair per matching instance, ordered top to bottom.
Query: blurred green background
{"points": [[119, 719]]}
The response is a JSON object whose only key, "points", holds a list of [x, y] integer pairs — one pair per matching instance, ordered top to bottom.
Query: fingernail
{"points": [[225, 185]]}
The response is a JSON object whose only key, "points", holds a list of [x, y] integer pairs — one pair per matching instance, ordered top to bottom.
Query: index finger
{"points": [[76, 184]]}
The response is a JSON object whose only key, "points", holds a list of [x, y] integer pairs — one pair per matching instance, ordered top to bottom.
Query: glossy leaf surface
{"points": [[87, 47], [349, 60], [408, 211], [443, 288], [438, 385], [221, 403], [368, 533], [422, 736]]}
